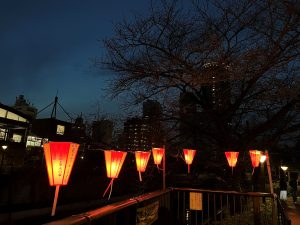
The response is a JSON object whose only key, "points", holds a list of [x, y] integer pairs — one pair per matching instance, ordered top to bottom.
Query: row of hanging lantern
{"points": [[255, 156], [60, 157]]}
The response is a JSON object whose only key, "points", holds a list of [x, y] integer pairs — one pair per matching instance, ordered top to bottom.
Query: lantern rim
{"points": [[115, 150], [255, 151]]}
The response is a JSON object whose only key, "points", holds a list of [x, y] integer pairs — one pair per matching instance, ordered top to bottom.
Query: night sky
{"points": [[49, 46]]}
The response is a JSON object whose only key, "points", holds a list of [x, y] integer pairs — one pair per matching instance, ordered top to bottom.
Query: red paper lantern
{"points": [[158, 154], [189, 155], [59, 157], [255, 157], [232, 158], [141, 159], [113, 161]]}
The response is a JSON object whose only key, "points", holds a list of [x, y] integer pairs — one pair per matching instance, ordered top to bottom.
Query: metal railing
{"points": [[185, 206], [225, 207], [123, 212], [282, 213]]}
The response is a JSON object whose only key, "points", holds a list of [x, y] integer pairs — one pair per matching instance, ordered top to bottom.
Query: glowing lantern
{"points": [[158, 154], [255, 156], [60, 157], [188, 157], [141, 159], [232, 159], [113, 161]]}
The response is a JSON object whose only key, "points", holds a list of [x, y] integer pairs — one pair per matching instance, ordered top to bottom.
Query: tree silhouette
{"points": [[227, 72]]}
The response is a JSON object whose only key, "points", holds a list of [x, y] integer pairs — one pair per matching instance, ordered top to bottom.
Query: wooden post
{"points": [[164, 169], [269, 173], [271, 188], [256, 210]]}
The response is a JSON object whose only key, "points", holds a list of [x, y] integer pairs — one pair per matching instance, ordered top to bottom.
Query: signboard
{"points": [[195, 201], [148, 214]]}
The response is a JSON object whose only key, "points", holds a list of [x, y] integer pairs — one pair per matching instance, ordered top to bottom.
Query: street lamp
{"points": [[4, 147], [263, 158], [284, 168]]}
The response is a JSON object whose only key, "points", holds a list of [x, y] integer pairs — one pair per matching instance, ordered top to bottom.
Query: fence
{"points": [[185, 206]]}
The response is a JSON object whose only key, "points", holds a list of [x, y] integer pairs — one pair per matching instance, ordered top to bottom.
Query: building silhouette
{"points": [[23, 106], [198, 108], [14, 128], [53, 129], [102, 132], [143, 133]]}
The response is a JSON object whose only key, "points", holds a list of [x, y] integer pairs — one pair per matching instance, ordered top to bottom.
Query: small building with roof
{"points": [[14, 128]]}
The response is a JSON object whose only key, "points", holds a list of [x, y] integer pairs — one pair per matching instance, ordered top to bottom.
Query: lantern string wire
{"points": [[100, 149], [182, 157], [159, 168], [109, 185], [55, 200]]}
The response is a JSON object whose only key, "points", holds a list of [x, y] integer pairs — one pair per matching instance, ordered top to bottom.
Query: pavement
{"points": [[293, 210]]}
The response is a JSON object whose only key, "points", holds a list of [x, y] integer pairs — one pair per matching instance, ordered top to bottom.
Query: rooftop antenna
{"points": [[54, 109], [53, 113]]}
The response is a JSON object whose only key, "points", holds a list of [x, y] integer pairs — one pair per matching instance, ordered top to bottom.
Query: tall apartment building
{"points": [[217, 92], [197, 107], [102, 131], [143, 133], [136, 134]]}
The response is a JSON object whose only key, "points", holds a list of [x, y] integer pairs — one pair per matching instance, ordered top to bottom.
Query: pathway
{"points": [[293, 211]]}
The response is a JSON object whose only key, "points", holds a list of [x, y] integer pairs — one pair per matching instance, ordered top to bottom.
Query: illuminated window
{"points": [[3, 113], [16, 117], [60, 129], [3, 134], [17, 138], [34, 141]]}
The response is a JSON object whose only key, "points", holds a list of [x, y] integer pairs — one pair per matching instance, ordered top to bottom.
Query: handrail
{"points": [[252, 194], [87, 217]]}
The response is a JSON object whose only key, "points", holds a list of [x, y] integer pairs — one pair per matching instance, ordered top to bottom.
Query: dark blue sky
{"points": [[48, 46]]}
